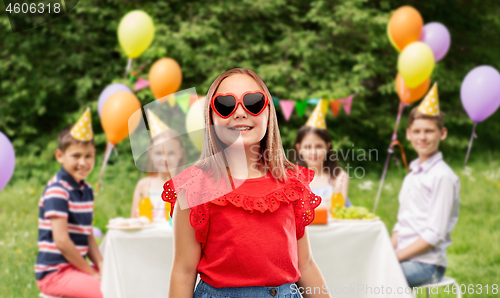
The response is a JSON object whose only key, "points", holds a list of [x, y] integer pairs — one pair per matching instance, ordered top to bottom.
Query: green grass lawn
{"points": [[474, 256]]}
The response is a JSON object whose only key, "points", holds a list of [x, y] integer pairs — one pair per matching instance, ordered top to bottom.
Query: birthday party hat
{"points": [[430, 104], [317, 118], [156, 126], [82, 130]]}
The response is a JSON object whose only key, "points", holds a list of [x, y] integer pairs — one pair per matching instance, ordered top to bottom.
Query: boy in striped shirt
{"points": [[65, 235]]}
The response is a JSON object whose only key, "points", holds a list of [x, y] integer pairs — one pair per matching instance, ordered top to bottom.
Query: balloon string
{"points": [[129, 65], [472, 137], [109, 149], [390, 151], [403, 155]]}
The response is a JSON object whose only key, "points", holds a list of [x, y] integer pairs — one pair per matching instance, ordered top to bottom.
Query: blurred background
{"points": [[301, 49]]}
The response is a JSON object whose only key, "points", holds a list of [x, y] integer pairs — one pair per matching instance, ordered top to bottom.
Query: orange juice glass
{"points": [[337, 199], [146, 208]]}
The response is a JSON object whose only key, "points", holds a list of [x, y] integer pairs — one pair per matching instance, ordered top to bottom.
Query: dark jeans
{"points": [[418, 274]]}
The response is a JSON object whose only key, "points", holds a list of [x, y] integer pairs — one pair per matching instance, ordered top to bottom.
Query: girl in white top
{"points": [[314, 149], [152, 185]]}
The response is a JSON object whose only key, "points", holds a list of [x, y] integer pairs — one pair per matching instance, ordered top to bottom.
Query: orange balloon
{"points": [[405, 26], [165, 77], [407, 95], [116, 113]]}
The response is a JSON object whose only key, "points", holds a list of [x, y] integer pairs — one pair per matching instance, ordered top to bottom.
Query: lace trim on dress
{"points": [[199, 196]]}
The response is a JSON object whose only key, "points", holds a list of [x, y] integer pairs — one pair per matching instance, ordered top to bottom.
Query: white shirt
{"points": [[428, 208]]}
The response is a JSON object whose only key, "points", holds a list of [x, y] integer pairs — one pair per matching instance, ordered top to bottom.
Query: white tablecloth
{"points": [[355, 258], [137, 263]]}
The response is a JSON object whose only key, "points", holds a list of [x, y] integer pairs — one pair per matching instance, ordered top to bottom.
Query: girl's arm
{"points": [[136, 198], [94, 253], [187, 253], [311, 277]]}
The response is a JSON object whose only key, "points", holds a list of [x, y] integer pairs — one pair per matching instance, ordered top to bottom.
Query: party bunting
{"points": [[141, 84], [192, 99], [183, 101], [276, 101], [313, 101], [347, 102], [335, 105], [287, 107], [300, 107], [82, 130]]}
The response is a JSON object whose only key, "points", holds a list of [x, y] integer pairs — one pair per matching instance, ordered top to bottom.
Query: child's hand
{"points": [[394, 240], [97, 275]]}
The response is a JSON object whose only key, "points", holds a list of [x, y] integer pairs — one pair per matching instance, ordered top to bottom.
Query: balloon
{"points": [[405, 26], [135, 33], [437, 37], [392, 40], [415, 64], [165, 77], [107, 92], [480, 92], [407, 95], [116, 113], [195, 123], [7, 160], [97, 232]]}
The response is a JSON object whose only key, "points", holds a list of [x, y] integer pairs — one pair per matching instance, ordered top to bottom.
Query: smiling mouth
{"points": [[241, 128]]}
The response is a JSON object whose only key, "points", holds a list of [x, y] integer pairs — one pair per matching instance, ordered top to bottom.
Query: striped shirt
{"points": [[63, 197]]}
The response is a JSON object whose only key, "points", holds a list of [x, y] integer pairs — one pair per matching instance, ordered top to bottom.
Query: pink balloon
{"points": [[437, 37]]}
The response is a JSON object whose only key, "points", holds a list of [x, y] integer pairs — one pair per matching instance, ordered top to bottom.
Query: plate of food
{"points": [[121, 223]]}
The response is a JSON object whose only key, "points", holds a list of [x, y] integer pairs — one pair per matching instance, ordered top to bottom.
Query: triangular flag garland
{"points": [[141, 84], [183, 101], [347, 102], [335, 105], [287, 107], [300, 107]]}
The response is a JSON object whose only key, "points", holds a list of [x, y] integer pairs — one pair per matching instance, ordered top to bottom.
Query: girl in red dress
{"points": [[243, 208]]}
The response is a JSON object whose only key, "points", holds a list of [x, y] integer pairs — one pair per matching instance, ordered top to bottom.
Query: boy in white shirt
{"points": [[429, 199]]}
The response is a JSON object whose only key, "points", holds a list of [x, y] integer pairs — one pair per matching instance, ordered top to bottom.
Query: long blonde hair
{"points": [[271, 153]]}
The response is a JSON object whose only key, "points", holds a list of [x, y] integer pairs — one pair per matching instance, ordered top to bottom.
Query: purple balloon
{"points": [[437, 37], [107, 92], [480, 92], [7, 160], [97, 232]]}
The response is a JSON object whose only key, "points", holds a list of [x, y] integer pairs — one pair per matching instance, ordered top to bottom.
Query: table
{"points": [[355, 258], [137, 263]]}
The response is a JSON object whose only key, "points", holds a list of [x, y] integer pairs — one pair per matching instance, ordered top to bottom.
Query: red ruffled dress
{"points": [[248, 236]]}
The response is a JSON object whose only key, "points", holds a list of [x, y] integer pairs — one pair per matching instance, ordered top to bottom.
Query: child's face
{"points": [[239, 84], [425, 135], [313, 150], [173, 154], [78, 160]]}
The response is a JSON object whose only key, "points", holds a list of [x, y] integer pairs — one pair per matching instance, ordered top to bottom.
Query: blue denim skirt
{"points": [[204, 290]]}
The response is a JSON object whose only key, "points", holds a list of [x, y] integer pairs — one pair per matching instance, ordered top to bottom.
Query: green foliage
{"points": [[301, 49]]}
